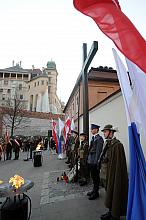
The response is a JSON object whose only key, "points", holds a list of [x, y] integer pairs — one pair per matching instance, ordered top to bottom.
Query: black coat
{"points": [[95, 149]]}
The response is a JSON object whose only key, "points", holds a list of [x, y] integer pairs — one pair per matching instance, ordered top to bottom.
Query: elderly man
{"points": [[95, 150], [113, 162]]}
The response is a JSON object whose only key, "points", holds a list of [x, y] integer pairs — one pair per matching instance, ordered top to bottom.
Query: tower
{"points": [[52, 73]]}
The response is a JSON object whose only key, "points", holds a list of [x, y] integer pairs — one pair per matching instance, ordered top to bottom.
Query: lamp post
{"points": [[86, 63]]}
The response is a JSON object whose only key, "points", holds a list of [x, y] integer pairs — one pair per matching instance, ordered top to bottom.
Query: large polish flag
{"points": [[116, 25], [133, 87]]}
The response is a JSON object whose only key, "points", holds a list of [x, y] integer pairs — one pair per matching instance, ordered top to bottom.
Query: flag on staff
{"points": [[116, 25], [132, 88], [72, 124], [61, 126], [67, 128], [54, 131], [7, 136]]}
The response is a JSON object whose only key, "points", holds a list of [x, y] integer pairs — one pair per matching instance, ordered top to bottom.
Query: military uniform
{"points": [[95, 150], [83, 156], [114, 173]]}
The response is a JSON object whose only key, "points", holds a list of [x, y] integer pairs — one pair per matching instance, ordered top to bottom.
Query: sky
{"points": [[36, 31]]}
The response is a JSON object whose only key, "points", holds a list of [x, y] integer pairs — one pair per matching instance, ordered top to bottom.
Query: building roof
{"points": [[51, 65], [107, 74]]}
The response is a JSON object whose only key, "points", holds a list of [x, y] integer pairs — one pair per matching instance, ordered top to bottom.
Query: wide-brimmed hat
{"points": [[94, 126], [110, 128]]}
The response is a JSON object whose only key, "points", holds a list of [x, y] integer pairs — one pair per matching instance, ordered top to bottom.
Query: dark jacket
{"points": [[95, 149], [116, 178]]}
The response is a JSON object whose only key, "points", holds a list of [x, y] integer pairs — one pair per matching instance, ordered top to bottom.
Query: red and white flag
{"points": [[116, 25], [67, 128], [7, 136], [55, 137]]}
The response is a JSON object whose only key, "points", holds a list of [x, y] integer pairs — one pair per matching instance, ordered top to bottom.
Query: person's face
{"points": [[94, 131], [108, 134], [82, 138]]}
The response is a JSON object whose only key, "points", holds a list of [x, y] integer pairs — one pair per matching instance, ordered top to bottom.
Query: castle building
{"points": [[13, 84], [36, 88]]}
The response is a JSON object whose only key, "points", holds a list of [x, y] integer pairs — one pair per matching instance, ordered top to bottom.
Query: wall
{"points": [[112, 112], [35, 124]]}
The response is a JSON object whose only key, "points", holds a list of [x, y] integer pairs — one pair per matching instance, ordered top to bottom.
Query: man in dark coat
{"points": [[17, 144], [9, 150], [95, 150], [116, 183]]}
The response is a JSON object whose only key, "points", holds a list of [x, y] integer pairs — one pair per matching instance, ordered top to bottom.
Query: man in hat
{"points": [[95, 150], [83, 155], [116, 182]]}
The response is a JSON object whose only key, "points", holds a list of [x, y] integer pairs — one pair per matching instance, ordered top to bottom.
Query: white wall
{"points": [[112, 112]]}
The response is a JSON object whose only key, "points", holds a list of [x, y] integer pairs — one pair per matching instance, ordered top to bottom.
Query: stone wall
{"points": [[34, 124]]}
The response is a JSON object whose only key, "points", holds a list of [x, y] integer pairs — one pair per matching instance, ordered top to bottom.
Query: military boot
{"points": [[106, 216]]}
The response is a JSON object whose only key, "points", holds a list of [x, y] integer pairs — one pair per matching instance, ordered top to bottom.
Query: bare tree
{"points": [[13, 114]]}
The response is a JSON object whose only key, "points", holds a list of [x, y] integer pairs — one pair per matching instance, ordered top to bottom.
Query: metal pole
{"points": [[87, 61]]}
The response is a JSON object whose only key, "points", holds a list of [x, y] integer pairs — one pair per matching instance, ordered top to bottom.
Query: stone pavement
{"points": [[52, 200]]}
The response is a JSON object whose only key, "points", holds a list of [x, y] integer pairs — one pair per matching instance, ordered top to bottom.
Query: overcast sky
{"points": [[36, 31]]}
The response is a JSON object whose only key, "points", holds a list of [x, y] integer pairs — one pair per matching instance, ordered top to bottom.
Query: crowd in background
{"points": [[10, 148]]}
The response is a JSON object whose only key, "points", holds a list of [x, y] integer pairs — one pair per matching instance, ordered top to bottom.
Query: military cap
{"points": [[94, 126], [109, 127], [74, 131], [83, 134]]}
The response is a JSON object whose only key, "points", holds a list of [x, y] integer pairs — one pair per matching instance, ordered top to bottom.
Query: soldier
{"points": [[68, 147], [95, 150], [74, 153], [83, 155], [116, 183]]}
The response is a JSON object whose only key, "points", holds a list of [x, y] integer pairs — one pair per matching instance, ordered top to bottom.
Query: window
{"points": [[1, 75], [6, 75], [13, 75], [19, 76], [25, 76], [49, 79], [6, 82], [42, 82], [38, 83], [47, 83], [35, 84], [20, 86], [29, 87], [49, 89], [1, 90], [9, 90], [21, 96], [3, 97], [73, 106]]}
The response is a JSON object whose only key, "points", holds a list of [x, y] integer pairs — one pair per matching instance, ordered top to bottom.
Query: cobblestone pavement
{"points": [[53, 191], [52, 200]]}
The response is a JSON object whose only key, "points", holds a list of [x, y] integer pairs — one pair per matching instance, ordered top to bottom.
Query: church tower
{"points": [[54, 102]]}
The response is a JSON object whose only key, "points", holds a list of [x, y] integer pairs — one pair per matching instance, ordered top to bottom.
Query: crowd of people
{"points": [[17, 144], [102, 161], [105, 163]]}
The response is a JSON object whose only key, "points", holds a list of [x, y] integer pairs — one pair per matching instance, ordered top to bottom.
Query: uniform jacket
{"points": [[95, 149], [83, 150], [116, 178]]}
